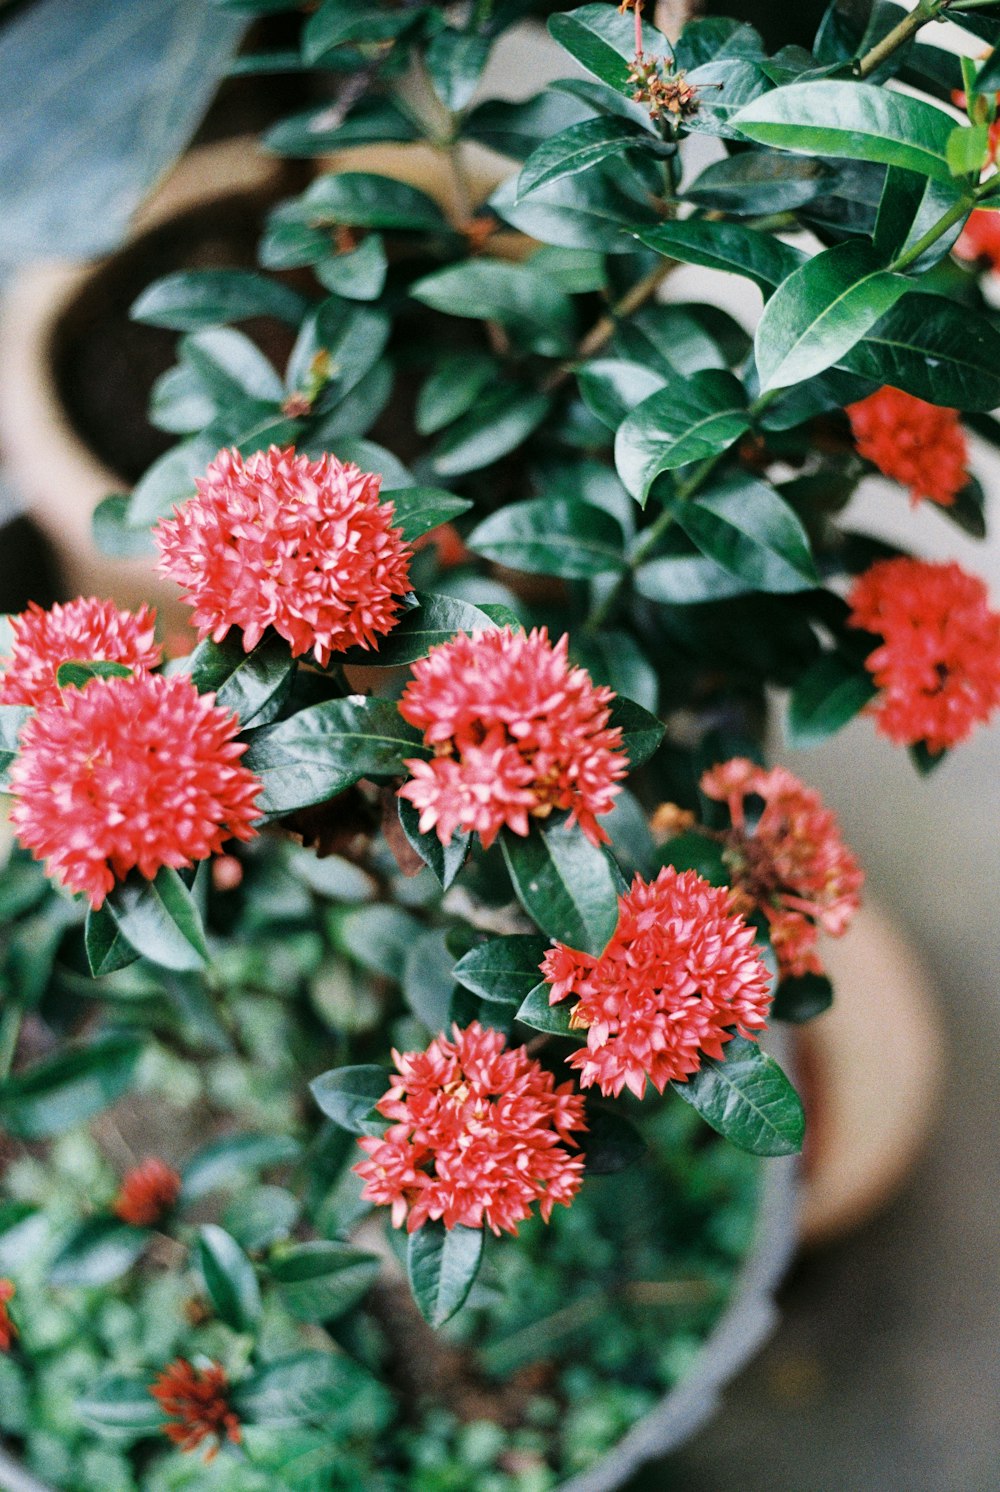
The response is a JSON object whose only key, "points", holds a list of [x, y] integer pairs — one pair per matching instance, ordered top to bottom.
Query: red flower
{"points": [[979, 241], [922, 446], [280, 541], [83, 631], [938, 665], [517, 731], [129, 772], [791, 864], [679, 974], [479, 1133], [147, 1193], [8, 1331], [198, 1398]]}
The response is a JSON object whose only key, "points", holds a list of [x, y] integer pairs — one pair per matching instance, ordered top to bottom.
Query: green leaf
{"points": [[338, 21], [603, 41], [455, 61], [724, 86], [853, 121], [317, 131], [579, 147], [966, 150], [758, 182], [360, 199], [602, 209], [727, 246], [357, 275], [193, 298], [531, 307], [821, 311], [349, 338], [934, 348], [232, 369], [612, 387], [452, 388], [502, 419], [684, 422], [420, 509], [744, 526], [112, 533], [551, 536], [686, 580], [435, 620], [78, 674], [252, 685], [829, 694], [12, 720], [641, 731], [316, 754], [694, 851], [444, 860], [565, 884], [160, 920], [377, 936], [106, 945], [503, 970], [428, 979], [801, 999], [536, 1011], [67, 1090], [348, 1096], [747, 1098], [610, 1144], [232, 1160], [259, 1218], [99, 1251], [442, 1264], [230, 1280], [318, 1281], [309, 1385], [121, 1406]]}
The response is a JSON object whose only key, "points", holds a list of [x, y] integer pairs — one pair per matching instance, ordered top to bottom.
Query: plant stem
{"points": [[925, 10], [910, 255], [604, 329], [10, 1031]]}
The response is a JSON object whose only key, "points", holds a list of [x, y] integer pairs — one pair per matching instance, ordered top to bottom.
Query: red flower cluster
{"points": [[979, 241], [922, 446], [280, 541], [83, 631], [938, 665], [517, 731], [129, 772], [791, 864], [679, 973], [479, 1133], [147, 1193], [8, 1331], [198, 1399]]}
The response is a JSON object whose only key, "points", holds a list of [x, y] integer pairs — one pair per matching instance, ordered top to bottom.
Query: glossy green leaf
{"points": [[335, 22], [602, 40], [455, 61], [725, 86], [856, 121], [578, 148], [967, 149], [758, 182], [361, 199], [602, 209], [727, 246], [357, 275], [193, 298], [533, 309], [821, 311], [349, 339], [934, 348], [233, 371], [453, 387], [613, 387], [502, 419], [684, 422], [420, 509], [744, 526], [112, 533], [551, 536], [686, 580], [435, 620], [79, 674], [250, 684], [829, 694], [641, 731], [321, 751], [694, 851], [444, 860], [565, 884], [160, 919], [106, 945], [503, 970], [801, 999], [537, 1012], [67, 1090], [348, 1096], [747, 1098], [99, 1251], [442, 1264], [230, 1279], [320, 1280], [290, 1390], [120, 1406]]}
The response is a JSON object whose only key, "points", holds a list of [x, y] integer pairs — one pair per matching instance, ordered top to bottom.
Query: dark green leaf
{"points": [[338, 21], [602, 39], [455, 61], [724, 86], [515, 129], [317, 131], [578, 148], [758, 182], [360, 199], [602, 209], [726, 246], [357, 275], [192, 298], [526, 302], [349, 339], [933, 348], [233, 371], [453, 387], [612, 387], [503, 418], [684, 422], [420, 509], [744, 526], [113, 534], [551, 536], [686, 579], [435, 620], [79, 674], [250, 684], [825, 698], [641, 731], [924, 759], [694, 851], [445, 860], [565, 884], [160, 919], [377, 936], [107, 947], [504, 970], [428, 980], [799, 1000], [537, 1012], [67, 1090], [348, 1096], [747, 1098], [611, 1143], [230, 1161], [259, 1218], [100, 1250], [442, 1264], [230, 1280], [320, 1280], [310, 1385], [120, 1406]]}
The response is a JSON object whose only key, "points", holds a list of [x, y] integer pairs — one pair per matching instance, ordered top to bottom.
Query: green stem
{"points": [[926, 10], [954, 215], [10, 1031]]}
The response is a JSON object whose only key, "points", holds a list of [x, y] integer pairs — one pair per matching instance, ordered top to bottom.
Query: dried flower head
{"points": [[663, 90], [979, 241], [922, 446], [280, 541], [83, 631], [938, 666], [517, 730], [136, 772], [787, 860], [678, 977], [479, 1133], [147, 1193], [8, 1331], [198, 1400]]}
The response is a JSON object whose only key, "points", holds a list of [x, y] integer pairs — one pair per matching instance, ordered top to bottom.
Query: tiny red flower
{"points": [[979, 241], [922, 446], [280, 541], [83, 631], [938, 666], [517, 730], [136, 772], [790, 862], [678, 977], [479, 1134], [147, 1193], [8, 1331], [198, 1399]]}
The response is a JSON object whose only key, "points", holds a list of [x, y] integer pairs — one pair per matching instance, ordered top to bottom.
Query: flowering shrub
{"points": [[446, 880]]}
